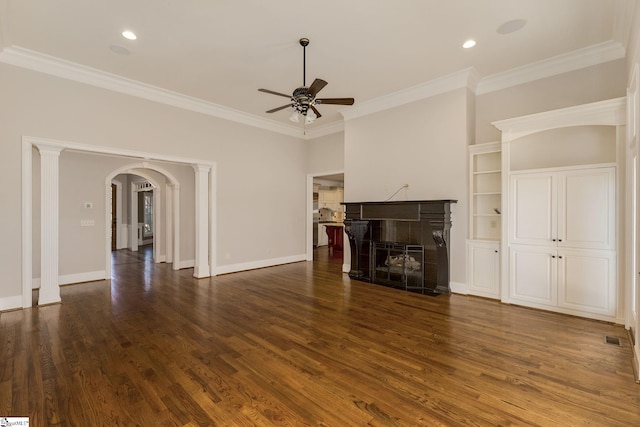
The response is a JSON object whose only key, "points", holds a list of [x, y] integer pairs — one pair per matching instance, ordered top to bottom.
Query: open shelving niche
{"points": [[486, 192], [485, 220]]}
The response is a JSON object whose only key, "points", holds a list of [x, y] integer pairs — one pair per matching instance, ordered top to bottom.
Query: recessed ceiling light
{"points": [[511, 26], [130, 35], [468, 44]]}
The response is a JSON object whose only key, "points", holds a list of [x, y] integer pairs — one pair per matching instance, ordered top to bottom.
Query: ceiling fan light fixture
{"points": [[303, 99], [310, 117]]}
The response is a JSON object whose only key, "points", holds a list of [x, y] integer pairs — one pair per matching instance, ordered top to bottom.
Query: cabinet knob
{"points": [[553, 240], [559, 240], [496, 251], [553, 256], [560, 256]]}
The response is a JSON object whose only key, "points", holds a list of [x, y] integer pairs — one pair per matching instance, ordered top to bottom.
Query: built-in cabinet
{"points": [[572, 208], [485, 220], [559, 235], [562, 239], [483, 268]]}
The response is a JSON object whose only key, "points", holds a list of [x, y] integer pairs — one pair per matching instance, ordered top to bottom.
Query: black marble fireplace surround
{"points": [[403, 244]]}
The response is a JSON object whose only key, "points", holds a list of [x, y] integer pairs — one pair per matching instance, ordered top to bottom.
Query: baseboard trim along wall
{"points": [[190, 263], [234, 268], [67, 279], [458, 288], [11, 303]]}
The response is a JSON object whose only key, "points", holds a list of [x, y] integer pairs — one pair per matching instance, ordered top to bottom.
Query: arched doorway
{"points": [[166, 228]]}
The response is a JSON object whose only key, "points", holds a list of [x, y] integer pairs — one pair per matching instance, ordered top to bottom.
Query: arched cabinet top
{"points": [[611, 112]]}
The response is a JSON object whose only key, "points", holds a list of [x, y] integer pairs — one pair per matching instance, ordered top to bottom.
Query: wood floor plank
{"points": [[302, 344]]}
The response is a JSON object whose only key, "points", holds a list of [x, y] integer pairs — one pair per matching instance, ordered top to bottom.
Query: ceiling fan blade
{"points": [[316, 86], [274, 93], [337, 101], [280, 108], [315, 110]]}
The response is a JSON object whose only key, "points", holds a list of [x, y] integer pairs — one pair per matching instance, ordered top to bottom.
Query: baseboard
{"points": [[190, 263], [234, 268], [346, 268], [67, 279], [458, 288], [11, 303]]}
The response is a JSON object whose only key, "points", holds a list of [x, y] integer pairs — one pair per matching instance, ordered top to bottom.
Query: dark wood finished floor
{"points": [[301, 344]]}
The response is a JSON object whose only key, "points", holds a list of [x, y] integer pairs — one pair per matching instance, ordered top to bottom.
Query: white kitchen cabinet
{"points": [[566, 208], [483, 268]]}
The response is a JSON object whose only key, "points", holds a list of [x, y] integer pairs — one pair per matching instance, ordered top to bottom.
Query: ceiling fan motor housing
{"points": [[302, 99]]}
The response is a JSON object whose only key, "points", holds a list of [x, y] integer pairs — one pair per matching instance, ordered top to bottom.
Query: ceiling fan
{"points": [[303, 99]]}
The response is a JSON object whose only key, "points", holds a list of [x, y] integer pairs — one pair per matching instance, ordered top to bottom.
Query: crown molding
{"points": [[25, 58], [581, 58], [468, 78], [460, 79]]}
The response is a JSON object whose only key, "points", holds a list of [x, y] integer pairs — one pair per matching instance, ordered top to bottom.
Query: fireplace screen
{"points": [[398, 265]]}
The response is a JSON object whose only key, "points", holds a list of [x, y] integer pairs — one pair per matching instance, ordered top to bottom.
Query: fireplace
{"points": [[401, 244]]}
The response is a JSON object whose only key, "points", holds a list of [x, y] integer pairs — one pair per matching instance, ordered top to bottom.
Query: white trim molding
{"points": [[36, 61], [572, 61], [467, 78], [611, 112], [234, 268], [69, 279]]}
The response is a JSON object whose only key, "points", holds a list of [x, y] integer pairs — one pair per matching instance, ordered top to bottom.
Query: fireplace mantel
{"points": [[374, 227]]}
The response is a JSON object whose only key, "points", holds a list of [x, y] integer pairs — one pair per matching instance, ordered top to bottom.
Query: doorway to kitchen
{"points": [[326, 221]]}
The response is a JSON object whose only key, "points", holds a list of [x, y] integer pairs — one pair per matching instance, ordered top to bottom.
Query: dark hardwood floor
{"points": [[301, 344]]}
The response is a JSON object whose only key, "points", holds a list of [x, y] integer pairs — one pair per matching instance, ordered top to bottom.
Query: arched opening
{"points": [[145, 196]]}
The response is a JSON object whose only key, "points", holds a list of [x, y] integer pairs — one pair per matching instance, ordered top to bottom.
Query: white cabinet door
{"points": [[533, 209], [586, 209], [483, 271], [532, 271], [586, 281]]}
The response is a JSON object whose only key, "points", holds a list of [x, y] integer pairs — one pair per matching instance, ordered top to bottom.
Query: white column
{"points": [[133, 209], [49, 215], [157, 221], [169, 224], [176, 227], [201, 268]]}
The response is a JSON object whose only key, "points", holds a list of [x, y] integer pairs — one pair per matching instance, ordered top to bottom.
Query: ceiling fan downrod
{"points": [[304, 42]]}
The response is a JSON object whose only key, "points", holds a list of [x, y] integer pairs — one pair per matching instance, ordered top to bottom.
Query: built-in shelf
{"points": [[486, 191]]}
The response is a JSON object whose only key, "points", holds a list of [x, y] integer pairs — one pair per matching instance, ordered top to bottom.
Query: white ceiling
{"points": [[222, 51]]}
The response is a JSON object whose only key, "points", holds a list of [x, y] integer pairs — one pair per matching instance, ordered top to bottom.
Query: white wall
{"points": [[423, 144], [326, 153], [261, 174]]}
